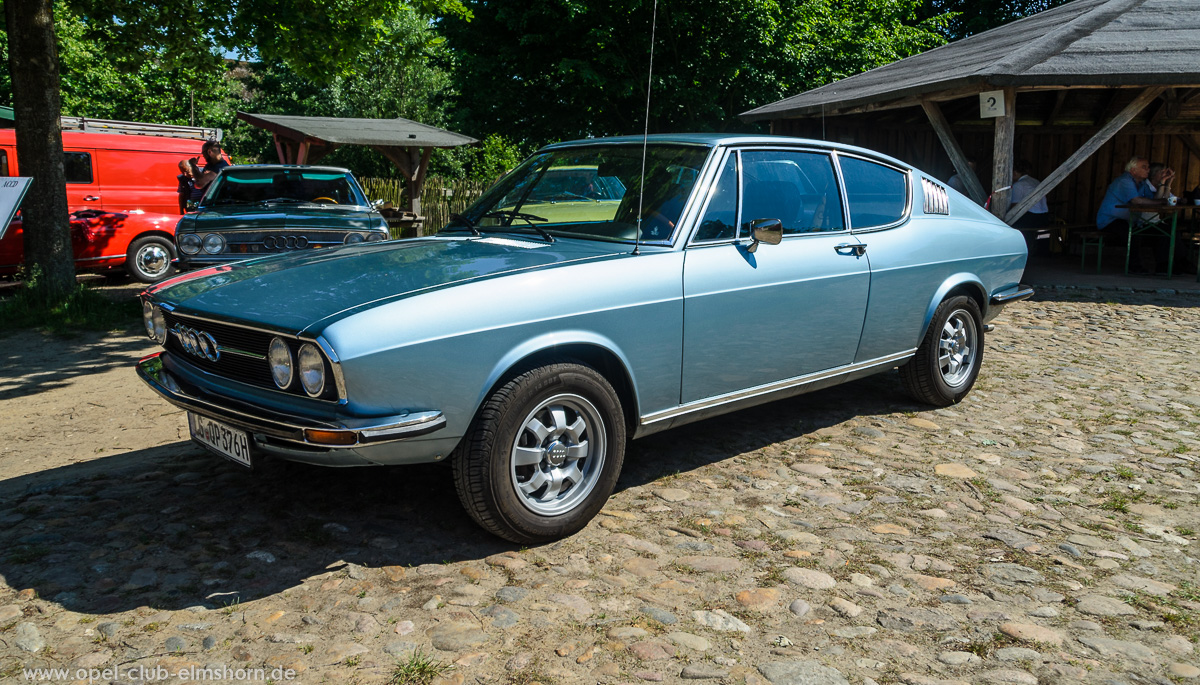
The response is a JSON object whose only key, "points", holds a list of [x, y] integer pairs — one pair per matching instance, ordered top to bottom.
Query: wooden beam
{"points": [[1059, 98], [1106, 105], [1162, 108], [1189, 141], [279, 149], [302, 153], [1002, 154], [1072, 163], [965, 172]]}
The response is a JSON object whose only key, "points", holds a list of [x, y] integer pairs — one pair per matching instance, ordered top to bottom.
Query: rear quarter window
{"points": [[77, 167], [877, 194]]}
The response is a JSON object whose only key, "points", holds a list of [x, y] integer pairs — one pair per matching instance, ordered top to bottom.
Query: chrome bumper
{"points": [[1014, 294], [286, 427]]}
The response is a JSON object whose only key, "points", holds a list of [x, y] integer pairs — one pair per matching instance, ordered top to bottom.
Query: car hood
{"points": [[269, 216], [309, 290]]}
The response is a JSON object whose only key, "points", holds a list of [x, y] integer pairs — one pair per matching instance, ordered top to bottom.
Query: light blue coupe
{"points": [[553, 321]]}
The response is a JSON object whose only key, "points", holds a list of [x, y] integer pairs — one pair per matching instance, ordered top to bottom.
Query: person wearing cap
{"points": [[213, 163]]}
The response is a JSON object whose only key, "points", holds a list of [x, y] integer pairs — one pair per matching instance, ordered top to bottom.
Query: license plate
{"points": [[224, 440]]}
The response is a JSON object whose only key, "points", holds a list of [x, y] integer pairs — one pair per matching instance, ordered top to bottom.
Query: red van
{"points": [[121, 192]]}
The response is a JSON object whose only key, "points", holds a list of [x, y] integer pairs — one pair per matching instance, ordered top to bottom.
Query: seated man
{"points": [[1130, 188], [1038, 215]]}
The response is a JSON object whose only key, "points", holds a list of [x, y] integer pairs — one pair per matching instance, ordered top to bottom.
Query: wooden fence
{"points": [[439, 199]]}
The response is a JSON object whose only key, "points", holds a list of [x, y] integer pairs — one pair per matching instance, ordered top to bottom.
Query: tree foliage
{"points": [[968, 17], [552, 69]]}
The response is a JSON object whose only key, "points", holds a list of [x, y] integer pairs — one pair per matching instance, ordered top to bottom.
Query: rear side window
{"points": [[4, 162], [78, 167], [798, 188], [877, 194]]}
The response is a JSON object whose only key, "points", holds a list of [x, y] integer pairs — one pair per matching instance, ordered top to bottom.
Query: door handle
{"points": [[91, 198], [856, 249]]}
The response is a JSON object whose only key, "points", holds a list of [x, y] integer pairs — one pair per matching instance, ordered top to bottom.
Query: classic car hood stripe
{"points": [[308, 290]]}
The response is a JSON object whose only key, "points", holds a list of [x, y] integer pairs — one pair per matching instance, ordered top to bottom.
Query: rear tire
{"points": [[149, 259], [950, 355], [543, 454]]}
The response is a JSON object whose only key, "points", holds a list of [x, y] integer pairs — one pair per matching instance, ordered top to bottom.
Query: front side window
{"points": [[4, 162], [77, 166], [283, 186], [797, 188], [592, 192], [877, 194], [720, 218]]}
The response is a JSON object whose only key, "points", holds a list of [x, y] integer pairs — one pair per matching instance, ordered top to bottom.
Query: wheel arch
{"points": [[154, 233], [958, 284], [596, 351]]}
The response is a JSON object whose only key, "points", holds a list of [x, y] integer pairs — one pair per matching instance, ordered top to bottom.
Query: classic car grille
{"points": [[288, 240], [229, 365]]}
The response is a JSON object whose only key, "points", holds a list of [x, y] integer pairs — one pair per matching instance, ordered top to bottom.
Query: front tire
{"points": [[149, 259], [950, 355], [543, 455]]}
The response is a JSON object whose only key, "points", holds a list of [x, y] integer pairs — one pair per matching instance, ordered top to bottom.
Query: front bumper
{"points": [[287, 431]]}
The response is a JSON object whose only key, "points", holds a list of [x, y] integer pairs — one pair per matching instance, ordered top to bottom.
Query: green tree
{"points": [[969, 17], [546, 70]]}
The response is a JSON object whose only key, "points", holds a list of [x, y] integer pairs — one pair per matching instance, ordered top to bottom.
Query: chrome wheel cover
{"points": [[153, 260], [957, 348], [558, 455]]}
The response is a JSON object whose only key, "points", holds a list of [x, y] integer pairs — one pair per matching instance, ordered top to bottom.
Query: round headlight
{"points": [[374, 237], [354, 238], [189, 243], [213, 243], [148, 319], [160, 325], [279, 356], [312, 369]]}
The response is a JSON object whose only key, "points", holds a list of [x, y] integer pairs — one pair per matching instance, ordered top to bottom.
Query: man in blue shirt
{"points": [[213, 163], [1130, 188]]}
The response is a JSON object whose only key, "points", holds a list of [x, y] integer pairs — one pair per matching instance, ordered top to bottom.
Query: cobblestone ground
{"points": [[1043, 531]]}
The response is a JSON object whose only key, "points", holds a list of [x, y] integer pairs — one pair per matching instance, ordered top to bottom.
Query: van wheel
{"points": [[149, 258], [948, 359], [543, 455]]}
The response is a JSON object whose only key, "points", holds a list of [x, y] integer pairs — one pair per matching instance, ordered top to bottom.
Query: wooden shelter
{"points": [[1077, 90], [408, 144]]}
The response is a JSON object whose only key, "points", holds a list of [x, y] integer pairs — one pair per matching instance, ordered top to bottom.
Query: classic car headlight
{"points": [[374, 237], [353, 238], [189, 243], [213, 243], [156, 324], [279, 356], [312, 369]]}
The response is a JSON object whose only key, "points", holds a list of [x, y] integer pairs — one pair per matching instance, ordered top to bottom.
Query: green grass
{"points": [[83, 308], [419, 669]]}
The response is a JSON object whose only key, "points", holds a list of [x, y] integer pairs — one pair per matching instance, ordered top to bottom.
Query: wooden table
{"points": [[1137, 227]]}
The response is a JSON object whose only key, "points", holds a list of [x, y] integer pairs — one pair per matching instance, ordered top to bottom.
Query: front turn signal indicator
{"points": [[337, 438]]}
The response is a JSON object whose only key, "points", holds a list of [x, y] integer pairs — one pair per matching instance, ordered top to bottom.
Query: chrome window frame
{"points": [[709, 192], [908, 192]]}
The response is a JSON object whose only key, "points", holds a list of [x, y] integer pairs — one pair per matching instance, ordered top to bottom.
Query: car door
{"points": [[83, 181], [782, 311]]}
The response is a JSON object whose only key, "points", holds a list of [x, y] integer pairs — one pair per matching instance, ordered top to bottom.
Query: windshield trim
{"points": [[208, 200]]}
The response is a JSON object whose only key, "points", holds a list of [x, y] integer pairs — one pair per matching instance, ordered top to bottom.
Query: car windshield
{"points": [[284, 186], [591, 192]]}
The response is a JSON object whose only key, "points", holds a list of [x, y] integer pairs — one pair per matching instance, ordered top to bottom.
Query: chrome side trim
{"points": [[1015, 294], [777, 386], [282, 426]]}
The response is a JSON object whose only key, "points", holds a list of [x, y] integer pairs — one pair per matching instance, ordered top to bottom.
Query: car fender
{"points": [[966, 283], [548, 343]]}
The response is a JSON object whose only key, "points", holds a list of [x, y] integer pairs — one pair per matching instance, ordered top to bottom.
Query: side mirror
{"points": [[378, 203], [769, 231]]}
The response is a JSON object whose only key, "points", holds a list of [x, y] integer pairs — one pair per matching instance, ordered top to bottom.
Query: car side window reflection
{"points": [[77, 167], [797, 188], [877, 194], [720, 219]]}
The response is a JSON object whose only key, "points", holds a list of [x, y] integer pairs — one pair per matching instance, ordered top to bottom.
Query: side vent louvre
{"points": [[937, 201]]}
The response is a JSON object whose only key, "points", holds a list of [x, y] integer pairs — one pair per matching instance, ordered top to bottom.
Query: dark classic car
{"points": [[262, 209], [567, 311]]}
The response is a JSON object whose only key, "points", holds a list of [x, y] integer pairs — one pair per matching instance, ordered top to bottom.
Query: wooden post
{"points": [[1089, 148], [279, 149], [302, 153], [1002, 154], [965, 172]]}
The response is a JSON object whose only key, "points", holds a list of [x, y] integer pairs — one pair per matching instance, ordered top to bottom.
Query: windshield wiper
{"points": [[290, 200], [527, 218], [467, 224]]}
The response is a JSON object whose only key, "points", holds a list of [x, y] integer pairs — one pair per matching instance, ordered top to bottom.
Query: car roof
{"points": [[727, 139], [304, 167]]}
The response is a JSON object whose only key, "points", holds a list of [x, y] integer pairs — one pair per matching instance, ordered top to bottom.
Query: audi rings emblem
{"points": [[285, 242], [197, 343]]}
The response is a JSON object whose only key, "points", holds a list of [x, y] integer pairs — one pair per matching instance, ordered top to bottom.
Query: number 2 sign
{"points": [[991, 104]]}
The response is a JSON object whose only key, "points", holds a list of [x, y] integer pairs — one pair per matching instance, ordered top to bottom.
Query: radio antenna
{"points": [[637, 240]]}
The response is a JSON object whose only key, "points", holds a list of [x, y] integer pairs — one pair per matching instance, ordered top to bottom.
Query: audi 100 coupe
{"points": [[263, 209], [529, 340]]}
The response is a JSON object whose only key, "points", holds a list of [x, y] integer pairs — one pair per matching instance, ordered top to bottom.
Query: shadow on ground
{"points": [[28, 366], [173, 526]]}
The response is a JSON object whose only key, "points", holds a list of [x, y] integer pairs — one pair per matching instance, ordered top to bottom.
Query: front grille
{"points": [[230, 364]]}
